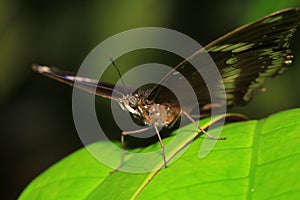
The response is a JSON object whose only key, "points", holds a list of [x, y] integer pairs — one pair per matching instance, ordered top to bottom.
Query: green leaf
{"points": [[259, 160]]}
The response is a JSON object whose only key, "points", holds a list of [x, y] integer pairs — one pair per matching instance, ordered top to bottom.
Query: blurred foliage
{"points": [[36, 115]]}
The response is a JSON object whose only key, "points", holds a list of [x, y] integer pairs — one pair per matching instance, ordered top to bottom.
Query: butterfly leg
{"points": [[201, 129], [161, 144], [123, 145]]}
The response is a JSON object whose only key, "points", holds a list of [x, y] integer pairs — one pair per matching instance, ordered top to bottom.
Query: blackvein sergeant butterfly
{"points": [[245, 57]]}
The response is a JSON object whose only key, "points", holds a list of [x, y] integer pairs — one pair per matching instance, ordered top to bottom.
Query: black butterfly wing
{"points": [[250, 54], [245, 57], [90, 85]]}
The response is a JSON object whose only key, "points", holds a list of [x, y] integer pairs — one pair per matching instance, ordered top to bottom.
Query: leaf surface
{"points": [[259, 160]]}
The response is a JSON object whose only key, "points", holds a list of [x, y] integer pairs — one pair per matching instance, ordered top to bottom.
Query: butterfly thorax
{"points": [[149, 112]]}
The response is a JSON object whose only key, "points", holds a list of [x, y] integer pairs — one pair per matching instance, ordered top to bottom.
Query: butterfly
{"points": [[245, 57]]}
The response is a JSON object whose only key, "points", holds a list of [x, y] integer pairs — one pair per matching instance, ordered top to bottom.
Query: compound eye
{"points": [[133, 101]]}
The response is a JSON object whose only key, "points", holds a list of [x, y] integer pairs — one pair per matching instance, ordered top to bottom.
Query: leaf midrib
{"points": [[253, 165], [155, 172]]}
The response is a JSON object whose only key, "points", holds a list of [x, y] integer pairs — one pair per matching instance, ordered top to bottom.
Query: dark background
{"points": [[37, 127]]}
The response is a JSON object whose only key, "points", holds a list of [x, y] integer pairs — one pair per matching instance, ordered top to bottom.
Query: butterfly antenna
{"points": [[119, 73]]}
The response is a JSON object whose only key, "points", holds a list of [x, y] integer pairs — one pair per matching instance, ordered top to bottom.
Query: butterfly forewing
{"points": [[249, 54], [244, 57], [90, 85]]}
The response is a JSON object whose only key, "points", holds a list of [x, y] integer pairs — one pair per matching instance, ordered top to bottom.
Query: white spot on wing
{"points": [[43, 69], [176, 73]]}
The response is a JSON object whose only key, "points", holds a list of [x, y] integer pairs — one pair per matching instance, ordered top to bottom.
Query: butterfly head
{"points": [[129, 102]]}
